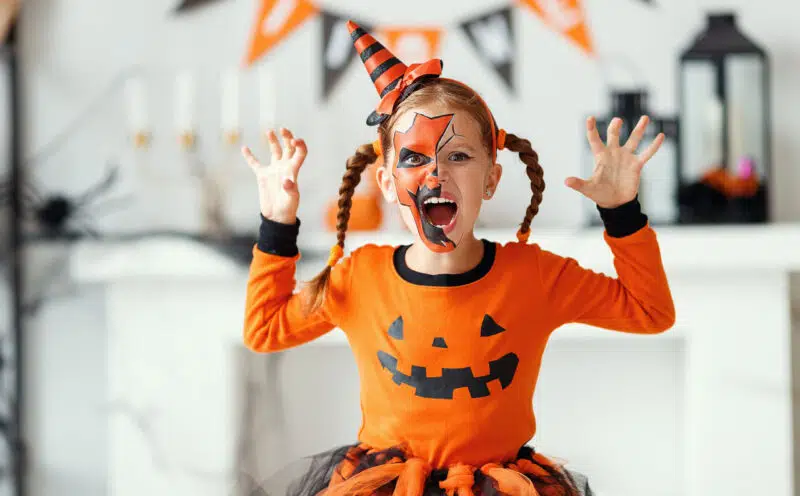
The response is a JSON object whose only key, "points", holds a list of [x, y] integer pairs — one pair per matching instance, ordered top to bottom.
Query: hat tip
{"points": [[351, 26]]}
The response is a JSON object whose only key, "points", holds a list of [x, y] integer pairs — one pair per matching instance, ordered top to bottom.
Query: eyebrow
{"points": [[463, 143]]}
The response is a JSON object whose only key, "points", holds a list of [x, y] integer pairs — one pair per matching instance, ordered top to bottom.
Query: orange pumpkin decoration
{"points": [[366, 212]]}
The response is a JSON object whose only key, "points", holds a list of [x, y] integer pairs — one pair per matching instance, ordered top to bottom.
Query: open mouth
{"points": [[439, 212], [442, 387]]}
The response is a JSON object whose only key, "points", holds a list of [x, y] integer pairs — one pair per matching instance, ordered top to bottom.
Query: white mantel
{"points": [[174, 320]]}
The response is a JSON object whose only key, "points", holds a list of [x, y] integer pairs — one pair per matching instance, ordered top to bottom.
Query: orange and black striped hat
{"points": [[389, 75], [394, 80]]}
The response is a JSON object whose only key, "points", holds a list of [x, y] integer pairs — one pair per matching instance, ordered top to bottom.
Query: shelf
{"points": [[758, 247], [684, 249]]}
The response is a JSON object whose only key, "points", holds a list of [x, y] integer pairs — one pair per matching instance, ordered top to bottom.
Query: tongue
{"points": [[441, 214]]}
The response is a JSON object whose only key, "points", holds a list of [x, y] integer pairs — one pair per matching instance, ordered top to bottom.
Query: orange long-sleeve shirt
{"points": [[448, 363]]}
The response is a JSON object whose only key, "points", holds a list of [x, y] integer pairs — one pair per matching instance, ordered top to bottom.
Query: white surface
{"points": [[683, 249]]}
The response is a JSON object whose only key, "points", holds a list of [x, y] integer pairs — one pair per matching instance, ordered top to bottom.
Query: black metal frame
{"points": [[14, 426]]}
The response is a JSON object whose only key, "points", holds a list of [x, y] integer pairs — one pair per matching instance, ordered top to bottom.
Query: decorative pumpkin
{"points": [[366, 212], [502, 369]]}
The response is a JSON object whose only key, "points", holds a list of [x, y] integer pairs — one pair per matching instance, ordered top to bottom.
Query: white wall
{"points": [[74, 49]]}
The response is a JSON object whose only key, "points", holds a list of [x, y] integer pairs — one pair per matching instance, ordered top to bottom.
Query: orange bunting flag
{"points": [[565, 16], [276, 20], [412, 44]]}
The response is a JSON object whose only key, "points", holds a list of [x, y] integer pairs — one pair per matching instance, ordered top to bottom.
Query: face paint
{"points": [[416, 175]]}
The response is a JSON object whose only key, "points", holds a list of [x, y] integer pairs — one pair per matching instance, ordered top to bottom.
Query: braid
{"points": [[365, 155], [536, 175]]}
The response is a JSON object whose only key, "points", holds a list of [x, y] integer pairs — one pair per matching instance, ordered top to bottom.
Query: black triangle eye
{"points": [[489, 327], [396, 329], [439, 343]]}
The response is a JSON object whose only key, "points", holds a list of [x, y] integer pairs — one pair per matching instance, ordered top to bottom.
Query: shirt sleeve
{"points": [[638, 300], [274, 315]]}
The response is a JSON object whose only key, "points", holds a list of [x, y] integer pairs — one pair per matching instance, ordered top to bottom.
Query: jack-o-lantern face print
{"points": [[501, 369]]}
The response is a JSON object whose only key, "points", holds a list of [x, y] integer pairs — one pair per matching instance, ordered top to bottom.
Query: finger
{"points": [[614, 128], [637, 134], [288, 143], [595, 143], [274, 145], [651, 150], [299, 155], [250, 158], [577, 184], [289, 185]]}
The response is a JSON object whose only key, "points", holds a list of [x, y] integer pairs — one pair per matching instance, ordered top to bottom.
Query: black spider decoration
{"points": [[58, 215]]}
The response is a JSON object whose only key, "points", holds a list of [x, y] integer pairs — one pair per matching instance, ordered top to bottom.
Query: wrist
{"points": [[288, 217], [624, 219], [278, 238]]}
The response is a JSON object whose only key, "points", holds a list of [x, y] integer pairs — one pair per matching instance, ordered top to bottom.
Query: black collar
{"points": [[467, 277]]}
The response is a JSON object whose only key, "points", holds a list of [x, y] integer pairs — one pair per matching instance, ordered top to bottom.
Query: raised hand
{"points": [[617, 169], [278, 194]]}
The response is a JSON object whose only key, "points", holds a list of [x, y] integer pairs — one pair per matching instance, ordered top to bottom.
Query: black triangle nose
{"points": [[439, 343]]}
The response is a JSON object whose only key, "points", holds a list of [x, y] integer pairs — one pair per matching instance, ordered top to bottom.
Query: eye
{"points": [[458, 157], [408, 159], [414, 160], [489, 327], [396, 329]]}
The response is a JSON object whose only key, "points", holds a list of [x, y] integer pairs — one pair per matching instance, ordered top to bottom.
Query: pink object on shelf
{"points": [[747, 168]]}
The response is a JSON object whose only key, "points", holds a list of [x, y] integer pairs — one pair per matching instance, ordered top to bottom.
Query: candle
{"points": [[267, 98], [230, 101], [184, 103], [137, 105], [137, 112]]}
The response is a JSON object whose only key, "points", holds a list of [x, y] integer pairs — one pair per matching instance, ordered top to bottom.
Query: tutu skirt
{"points": [[358, 470]]}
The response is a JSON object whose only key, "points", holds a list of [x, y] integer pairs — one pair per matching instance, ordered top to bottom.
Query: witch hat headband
{"points": [[394, 80]]}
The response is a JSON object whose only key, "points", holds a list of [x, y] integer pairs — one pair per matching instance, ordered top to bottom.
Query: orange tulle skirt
{"points": [[360, 470]]}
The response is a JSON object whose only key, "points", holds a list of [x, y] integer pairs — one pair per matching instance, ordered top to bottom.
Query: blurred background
{"points": [[128, 218]]}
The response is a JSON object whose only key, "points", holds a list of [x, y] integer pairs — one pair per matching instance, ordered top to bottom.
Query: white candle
{"points": [[267, 98], [230, 101], [184, 102], [137, 105]]}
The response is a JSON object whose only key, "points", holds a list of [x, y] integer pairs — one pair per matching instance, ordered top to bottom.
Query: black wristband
{"points": [[623, 220], [279, 239]]}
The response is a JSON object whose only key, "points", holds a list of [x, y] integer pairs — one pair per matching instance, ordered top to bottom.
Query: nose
{"points": [[432, 176], [431, 181]]}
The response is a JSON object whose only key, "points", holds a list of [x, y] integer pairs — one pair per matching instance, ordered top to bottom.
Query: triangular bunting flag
{"points": [[187, 5], [566, 17], [276, 20], [492, 35], [414, 45], [337, 50]]}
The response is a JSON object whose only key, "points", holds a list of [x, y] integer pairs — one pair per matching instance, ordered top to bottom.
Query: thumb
{"points": [[577, 184], [289, 185]]}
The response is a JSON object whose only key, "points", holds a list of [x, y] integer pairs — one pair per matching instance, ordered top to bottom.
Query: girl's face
{"points": [[439, 172]]}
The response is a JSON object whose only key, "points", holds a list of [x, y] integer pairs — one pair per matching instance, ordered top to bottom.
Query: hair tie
{"points": [[501, 139], [376, 147], [522, 237], [336, 254]]}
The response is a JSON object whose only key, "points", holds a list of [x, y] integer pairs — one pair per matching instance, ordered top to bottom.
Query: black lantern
{"points": [[724, 164], [657, 186]]}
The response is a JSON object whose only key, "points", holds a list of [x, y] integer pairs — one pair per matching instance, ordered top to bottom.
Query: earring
{"points": [[488, 192]]}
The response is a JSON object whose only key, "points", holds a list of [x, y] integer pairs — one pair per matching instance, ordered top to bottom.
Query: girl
{"points": [[448, 332]]}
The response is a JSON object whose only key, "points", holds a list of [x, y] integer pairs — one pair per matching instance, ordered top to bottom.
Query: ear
{"points": [[492, 180], [386, 183]]}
